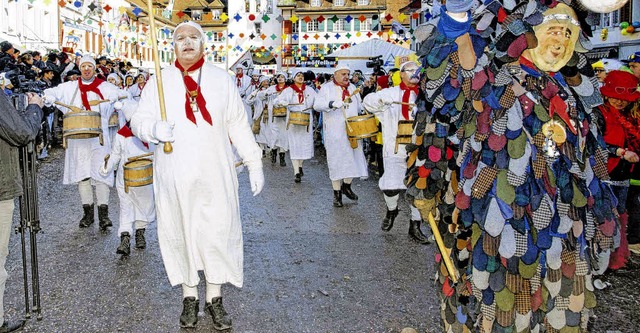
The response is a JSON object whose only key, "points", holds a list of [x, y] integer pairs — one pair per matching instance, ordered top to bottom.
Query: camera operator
{"points": [[7, 57], [54, 64], [17, 128]]}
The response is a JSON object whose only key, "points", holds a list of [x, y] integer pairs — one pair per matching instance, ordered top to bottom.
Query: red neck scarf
{"points": [[238, 79], [255, 83], [141, 85], [85, 88], [280, 88], [194, 89], [345, 89], [300, 91], [405, 98], [125, 131]]}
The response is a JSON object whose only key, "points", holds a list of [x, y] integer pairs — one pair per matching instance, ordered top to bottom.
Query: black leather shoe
{"points": [[273, 156], [282, 162], [300, 171], [298, 178], [346, 189], [337, 198], [103, 217], [87, 219], [387, 223], [416, 234], [141, 242], [124, 247], [189, 316], [221, 319], [11, 326]]}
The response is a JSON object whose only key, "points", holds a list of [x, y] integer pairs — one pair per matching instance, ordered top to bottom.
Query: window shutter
{"points": [[356, 25], [375, 25], [303, 26], [321, 26], [329, 26]]}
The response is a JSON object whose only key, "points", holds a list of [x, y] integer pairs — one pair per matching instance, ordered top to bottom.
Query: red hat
{"points": [[383, 81], [621, 85]]}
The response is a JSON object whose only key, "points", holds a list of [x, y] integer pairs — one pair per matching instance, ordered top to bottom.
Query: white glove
{"points": [[48, 100], [281, 104], [337, 104], [118, 105], [163, 131], [104, 171], [256, 176]]}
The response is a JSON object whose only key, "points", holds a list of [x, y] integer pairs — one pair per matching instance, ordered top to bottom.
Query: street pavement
{"points": [[309, 267]]}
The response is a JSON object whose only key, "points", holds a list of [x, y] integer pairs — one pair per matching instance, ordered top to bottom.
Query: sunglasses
{"points": [[598, 70], [622, 90]]}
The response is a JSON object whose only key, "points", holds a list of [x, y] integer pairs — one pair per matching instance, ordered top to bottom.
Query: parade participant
{"points": [[633, 62], [102, 71], [599, 71], [115, 79], [128, 81], [136, 89], [297, 98], [337, 101], [391, 105], [261, 115], [17, 128], [622, 136], [280, 143], [507, 156], [83, 157], [196, 185], [137, 207]]}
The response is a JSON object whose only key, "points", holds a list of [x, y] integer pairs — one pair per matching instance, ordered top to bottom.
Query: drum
{"points": [[280, 112], [299, 118], [113, 120], [81, 125], [255, 127], [361, 127], [405, 131], [138, 173]]}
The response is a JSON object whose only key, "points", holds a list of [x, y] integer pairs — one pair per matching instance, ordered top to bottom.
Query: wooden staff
{"points": [[154, 43], [404, 103], [71, 107], [443, 250]]}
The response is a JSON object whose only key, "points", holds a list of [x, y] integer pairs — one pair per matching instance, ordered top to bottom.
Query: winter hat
{"points": [[459, 6], [194, 25], [5, 46], [87, 58], [632, 58], [341, 67], [115, 76], [621, 85]]}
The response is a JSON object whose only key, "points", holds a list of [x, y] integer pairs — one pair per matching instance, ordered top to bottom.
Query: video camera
{"points": [[375, 63], [22, 85]]}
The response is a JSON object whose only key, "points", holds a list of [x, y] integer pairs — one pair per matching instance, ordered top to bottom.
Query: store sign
{"points": [[316, 62]]}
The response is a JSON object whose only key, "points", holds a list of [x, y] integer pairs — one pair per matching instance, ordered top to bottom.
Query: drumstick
{"points": [[154, 43], [100, 101], [404, 103], [70, 107], [344, 113], [138, 157], [106, 160], [443, 250]]}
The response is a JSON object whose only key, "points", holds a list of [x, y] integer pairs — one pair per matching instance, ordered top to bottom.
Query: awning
{"points": [[602, 53], [265, 58]]}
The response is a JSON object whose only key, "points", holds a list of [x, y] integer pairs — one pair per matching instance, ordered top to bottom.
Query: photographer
{"points": [[17, 128]]}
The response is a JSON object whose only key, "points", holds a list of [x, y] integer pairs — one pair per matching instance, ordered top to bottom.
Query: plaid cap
{"points": [[484, 182], [521, 243], [490, 245], [523, 300], [505, 318]]}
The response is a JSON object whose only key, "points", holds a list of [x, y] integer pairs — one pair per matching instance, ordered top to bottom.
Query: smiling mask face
{"points": [[557, 37]]}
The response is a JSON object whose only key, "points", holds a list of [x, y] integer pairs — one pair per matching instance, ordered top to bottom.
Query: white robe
{"points": [[245, 90], [135, 91], [278, 124], [266, 135], [300, 138], [83, 157], [344, 161], [395, 164], [196, 186], [138, 204]]}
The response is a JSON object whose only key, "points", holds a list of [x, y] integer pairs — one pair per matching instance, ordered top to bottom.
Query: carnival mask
{"points": [[557, 36]]}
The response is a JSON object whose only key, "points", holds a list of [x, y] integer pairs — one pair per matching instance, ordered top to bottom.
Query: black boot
{"points": [[274, 152], [282, 162], [300, 171], [298, 178], [346, 189], [337, 198], [103, 217], [87, 219], [387, 223], [416, 234], [141, 242], [124, 248], [189, 316], [221, 319], [11, 326]]}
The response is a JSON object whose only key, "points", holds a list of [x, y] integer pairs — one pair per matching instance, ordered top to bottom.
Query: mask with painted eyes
{"points": [[557, 36]]}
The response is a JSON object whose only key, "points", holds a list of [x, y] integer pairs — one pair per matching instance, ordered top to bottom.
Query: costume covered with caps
{"points": [[527, 220]]}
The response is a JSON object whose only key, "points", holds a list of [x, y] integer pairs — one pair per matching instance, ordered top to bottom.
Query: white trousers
{"points": [[6, 217]]}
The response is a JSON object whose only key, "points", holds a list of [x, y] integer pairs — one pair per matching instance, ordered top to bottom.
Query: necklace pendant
{"points": [[194, 106]]}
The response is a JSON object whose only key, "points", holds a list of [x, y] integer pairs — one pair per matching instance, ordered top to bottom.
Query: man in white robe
{"points": [[243, 82], [298, 99], [337, 101], [392, 105], [280, 142], [83, 157], [196, 185]]}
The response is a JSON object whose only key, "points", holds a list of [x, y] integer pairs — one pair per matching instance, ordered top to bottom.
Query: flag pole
{"points": [[156, 60]]}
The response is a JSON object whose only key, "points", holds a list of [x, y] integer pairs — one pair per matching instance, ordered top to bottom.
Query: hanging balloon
{"points": [[77, 3], [603, 6], [636, 24], [624, 25], [630, 29], [624, 32], [604, 34]]}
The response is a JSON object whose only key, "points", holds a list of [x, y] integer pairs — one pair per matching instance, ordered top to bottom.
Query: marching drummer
{"points": [[339, 100], [299, 102], [395, 107], [261, 116], [280, 142], [83, 157], [137, 207]]}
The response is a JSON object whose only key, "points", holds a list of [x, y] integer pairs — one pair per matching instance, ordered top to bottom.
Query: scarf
{"points": [[238, 79], [141, 85], [85, 88], [194, 89], [279, 89], [345, 89], [300, 91], [405, 98], [125, 131]]}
